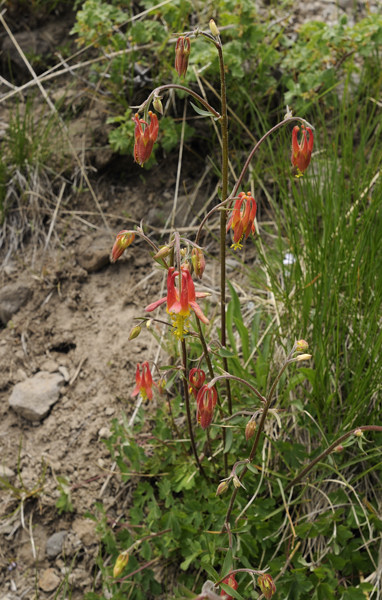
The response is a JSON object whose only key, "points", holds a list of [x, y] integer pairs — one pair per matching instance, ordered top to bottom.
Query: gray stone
{"points": [[94, 253], [12, 298], [33, 398], [54, 544]]}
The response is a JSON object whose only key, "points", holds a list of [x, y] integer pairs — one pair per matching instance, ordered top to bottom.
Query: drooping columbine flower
{"points": [[182, 53], [144, 138], [302, 152], [242, 218], [123, 240], [180, 302], [196, 377], [143, 382], [205, 404], [231, 581], [267, 585]]}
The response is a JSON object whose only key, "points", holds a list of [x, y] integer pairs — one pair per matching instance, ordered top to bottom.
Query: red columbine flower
{"points": [[182, 53], [144, 138], [302, 152], [242, 218], [122, 241], [180, 303], [196, 377], [143, 382], [205, 403], [231, 581], [267, 585]]}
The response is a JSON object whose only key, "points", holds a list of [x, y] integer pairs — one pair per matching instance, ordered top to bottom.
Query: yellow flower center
{"points": [[238, 245], [180, 324]]}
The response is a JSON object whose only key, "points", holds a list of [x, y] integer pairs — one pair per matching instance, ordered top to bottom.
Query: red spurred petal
{"points": [[155, 304], [199, 313]]}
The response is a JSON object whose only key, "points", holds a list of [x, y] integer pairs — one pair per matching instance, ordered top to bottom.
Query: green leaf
{"points": [[200, 111], [226, 353], [228, 439], [228, 563], [231, 591]]}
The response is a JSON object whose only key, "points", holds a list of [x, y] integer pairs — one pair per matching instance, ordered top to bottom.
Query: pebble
{"points": [[94, 252], [12, 298], [49, 365], [65, 373], [33, 398], [104, 433], [54, 544], [49, 580]]}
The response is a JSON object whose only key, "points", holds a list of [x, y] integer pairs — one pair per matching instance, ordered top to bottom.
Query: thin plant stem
{"points": [[175, 86], [257, 146], [223, 215], [212, 375], [188, 409], [259, 431], [327, 451]]}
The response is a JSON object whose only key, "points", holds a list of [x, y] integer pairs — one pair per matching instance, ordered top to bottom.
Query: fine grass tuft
{"points": [[330, 221]]}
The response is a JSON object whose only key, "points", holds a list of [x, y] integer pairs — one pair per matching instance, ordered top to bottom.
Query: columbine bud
{"points": [[213, 29], [182, 53], [157, 104], [122, 241], [162, 253], [198, 262], [134, 333], [301, 346], [303, 357], [250, 429], [236, 481], [222, 487], [120, 564], [267, 585]]}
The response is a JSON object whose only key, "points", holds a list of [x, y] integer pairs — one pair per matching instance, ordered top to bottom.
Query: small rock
{"points": [[93, 253], [12, 298], [49, 365], [65, 373], [21, 375], [33, 398], [109, 411], [104, 433], [6, 472], [85, 531], [54, 544], [49, 580]]}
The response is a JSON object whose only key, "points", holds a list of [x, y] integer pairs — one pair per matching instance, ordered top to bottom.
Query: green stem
{"points": [[175, 86], [223, 215], [212, 375], [243, 381], [188, 409], [259, 431], [328, 450]]}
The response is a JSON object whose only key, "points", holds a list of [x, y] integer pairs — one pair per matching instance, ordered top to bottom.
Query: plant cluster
{"points": [[222, 505]]}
